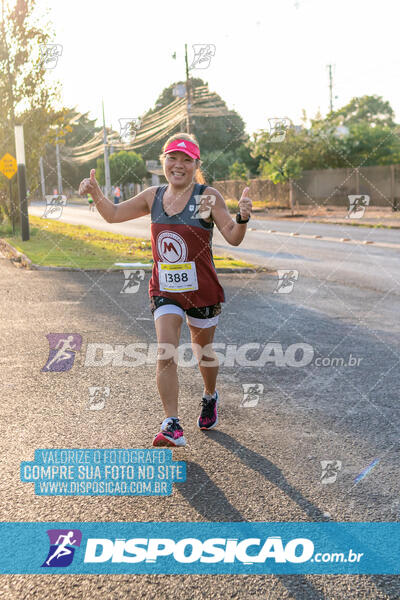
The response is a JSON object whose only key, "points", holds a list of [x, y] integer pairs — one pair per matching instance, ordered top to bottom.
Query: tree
{"points": [[27, 98], [366, 109], [79, 133], [213, 133], [366, 136], [371, 137], [243, 154], [279, 161], [216, 165], [125, 167], [281, 169], [238, 170]]}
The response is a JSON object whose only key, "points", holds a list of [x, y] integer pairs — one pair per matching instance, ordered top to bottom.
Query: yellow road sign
{"points": [[8, 165]]}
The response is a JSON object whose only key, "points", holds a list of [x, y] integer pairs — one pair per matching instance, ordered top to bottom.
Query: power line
{"points": [[154, 127]]}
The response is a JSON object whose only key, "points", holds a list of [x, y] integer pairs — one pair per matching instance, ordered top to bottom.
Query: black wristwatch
{"points": [[240, 220]]}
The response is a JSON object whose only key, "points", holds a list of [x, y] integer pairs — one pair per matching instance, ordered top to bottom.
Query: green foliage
{"points": [[27, 98], [367, 109], [224, 133], [362, 133], [243, 155], [279, 162], [216, 165], [229, 165], [125, 167], [281, 168], [238, 170], [4, 207], [61, 244]]}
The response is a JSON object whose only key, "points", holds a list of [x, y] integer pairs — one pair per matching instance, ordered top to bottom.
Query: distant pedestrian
{"points": [[117, 195], [91, 204]]}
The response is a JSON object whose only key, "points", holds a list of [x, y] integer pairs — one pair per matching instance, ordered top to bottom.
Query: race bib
{"points": [[178, 277]]}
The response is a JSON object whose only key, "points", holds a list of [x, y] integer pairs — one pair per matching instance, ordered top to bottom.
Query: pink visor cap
{"points": [[183, 146]]}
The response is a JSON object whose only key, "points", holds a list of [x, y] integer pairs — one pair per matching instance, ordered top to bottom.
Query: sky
{"points": [[270, 59]]}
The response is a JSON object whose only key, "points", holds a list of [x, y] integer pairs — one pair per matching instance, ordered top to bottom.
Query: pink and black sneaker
{"points": [[209, 412], [171, 434]]}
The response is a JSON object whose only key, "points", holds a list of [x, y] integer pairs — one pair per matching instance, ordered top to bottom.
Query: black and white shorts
{"points": [[203, 317]]}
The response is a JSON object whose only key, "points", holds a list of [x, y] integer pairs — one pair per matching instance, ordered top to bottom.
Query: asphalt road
{"points": [[367, 266], [263, 462]]}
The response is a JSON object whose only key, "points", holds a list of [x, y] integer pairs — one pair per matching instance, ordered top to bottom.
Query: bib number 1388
{"points": [[178, 277]]}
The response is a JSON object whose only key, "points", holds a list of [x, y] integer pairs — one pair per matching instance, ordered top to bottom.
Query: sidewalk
{"points": [[373, 216]]}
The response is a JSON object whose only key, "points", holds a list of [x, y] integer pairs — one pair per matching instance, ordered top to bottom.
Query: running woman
{"points": [[184, 279]]}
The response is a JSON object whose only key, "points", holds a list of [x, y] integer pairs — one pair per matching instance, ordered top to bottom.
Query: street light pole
{"points": [[330, 88], [188, 94], [106, 163], [59, 178], [42, 180]]}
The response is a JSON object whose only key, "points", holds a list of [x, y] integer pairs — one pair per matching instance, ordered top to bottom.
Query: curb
{"points": [[338, 221], [365, 224], [326, 238], [16, 257], [20, 260], [35, 267]]}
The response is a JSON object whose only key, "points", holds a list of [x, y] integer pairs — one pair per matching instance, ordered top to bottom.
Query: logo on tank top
{"points": [[171, 247]]}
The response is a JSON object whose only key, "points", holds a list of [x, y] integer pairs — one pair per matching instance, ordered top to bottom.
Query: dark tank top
{"points": [[183, 268]]}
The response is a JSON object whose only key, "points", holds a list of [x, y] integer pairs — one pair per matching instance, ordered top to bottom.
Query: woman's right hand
{"points": [[89, 185]]}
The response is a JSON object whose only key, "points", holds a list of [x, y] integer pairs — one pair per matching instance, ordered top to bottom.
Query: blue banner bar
{"points": [[195, 548]]}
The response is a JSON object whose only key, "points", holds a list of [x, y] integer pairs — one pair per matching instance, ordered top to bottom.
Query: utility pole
{"points": [[330, 88], [188, 94], [106, 163], [59, 178], [42, 180], [12, 208]]}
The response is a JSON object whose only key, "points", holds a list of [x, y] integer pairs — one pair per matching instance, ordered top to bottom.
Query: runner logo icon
{"points": [[204, 204], [357, 206], [54, 207], [286, 280], [132, 281], [63, 347], [251, 394], [97, 397], [330, 470], [61, 551]]}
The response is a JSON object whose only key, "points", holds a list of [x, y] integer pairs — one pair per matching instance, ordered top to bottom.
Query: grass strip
{"points": [[57, 244]]}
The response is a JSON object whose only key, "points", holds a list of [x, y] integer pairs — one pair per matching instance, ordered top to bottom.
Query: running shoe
{"points": [[209, 412], [171, 434]]}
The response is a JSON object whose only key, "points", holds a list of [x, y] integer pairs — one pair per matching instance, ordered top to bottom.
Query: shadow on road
{"points": [[267, 469], [210, 502], [213, 505]]}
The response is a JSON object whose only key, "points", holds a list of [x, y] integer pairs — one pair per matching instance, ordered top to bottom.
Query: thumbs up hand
{"points": [[89, 185], [245, 205]]}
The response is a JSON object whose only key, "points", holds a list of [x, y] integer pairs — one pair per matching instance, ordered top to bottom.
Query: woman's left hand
{"points": [[245, 205]]}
